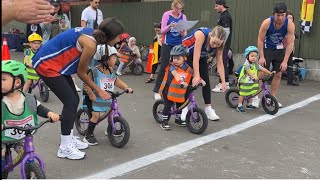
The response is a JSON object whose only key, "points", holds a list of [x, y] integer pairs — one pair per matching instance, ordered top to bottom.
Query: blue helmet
{"points": [[249, 50]]}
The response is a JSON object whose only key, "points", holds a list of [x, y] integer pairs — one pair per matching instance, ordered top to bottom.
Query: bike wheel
{"points": [[137, 69], [296, 79], [44, 92], [232, 97], [270, 104], [157, 110], [82, 120], [199, 124], [121, 134], [34, 171]]}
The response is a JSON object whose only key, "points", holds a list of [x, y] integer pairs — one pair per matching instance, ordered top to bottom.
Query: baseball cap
{"points": [[55, 2], [221, 2], [280, 7]]}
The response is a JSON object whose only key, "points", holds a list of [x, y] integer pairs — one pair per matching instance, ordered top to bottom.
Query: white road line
{"points": [[186, 146]]}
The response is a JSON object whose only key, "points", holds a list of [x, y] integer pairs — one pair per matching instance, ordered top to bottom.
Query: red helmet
{"points": [[124, 37]]}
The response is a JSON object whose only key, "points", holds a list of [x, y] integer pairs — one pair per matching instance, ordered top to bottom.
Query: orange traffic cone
{"points": [[5, 50], [150, 59]]}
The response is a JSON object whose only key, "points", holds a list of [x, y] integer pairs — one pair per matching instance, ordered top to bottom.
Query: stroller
{"points": [[298, 73]]}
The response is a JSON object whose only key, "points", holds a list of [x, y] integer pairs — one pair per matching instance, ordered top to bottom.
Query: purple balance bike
{"points": [[43, 89], [269, 102], [196, 119], [118, 128], [31, 165]]}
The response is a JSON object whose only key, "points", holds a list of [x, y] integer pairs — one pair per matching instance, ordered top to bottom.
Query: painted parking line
{"points": [[186, 146]]}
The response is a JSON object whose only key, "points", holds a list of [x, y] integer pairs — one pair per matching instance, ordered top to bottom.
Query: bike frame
{"points": [[33, 85], [263, 87], [191, 100], [109, 114], [24, 157]]}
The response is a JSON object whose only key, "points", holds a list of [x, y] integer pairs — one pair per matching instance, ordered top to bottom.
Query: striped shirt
{"points": [[189, 42]]}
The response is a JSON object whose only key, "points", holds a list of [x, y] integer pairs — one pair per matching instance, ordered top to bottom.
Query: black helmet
{"points": [[179, 50]]}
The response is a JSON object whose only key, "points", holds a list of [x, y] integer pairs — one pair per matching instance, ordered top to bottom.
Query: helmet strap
{"points": [[12, 88]]}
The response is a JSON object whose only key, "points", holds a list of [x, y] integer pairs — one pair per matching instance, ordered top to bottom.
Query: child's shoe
{"points": [[118, 73], [250, 106], [241, 109], [180, 123], [164, 125], [90, 139]]}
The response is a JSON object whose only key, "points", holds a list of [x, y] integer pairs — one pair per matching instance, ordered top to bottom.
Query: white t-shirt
{"points": [[89, 15], [16, 107]]}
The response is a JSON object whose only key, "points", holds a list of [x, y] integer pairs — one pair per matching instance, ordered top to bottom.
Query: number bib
{"points": [[107, 84], [18, 134]]}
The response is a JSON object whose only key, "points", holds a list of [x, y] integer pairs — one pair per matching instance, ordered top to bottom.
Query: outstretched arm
{"points": [[26, 11]]}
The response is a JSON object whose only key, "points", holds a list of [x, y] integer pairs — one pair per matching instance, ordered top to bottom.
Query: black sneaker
{"points": [[251, 107], [241, 109], [180, 123], [164, 125], [90, 139]]}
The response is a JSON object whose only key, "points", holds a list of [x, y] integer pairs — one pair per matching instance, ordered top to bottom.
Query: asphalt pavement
{"points": [[250, 145]]}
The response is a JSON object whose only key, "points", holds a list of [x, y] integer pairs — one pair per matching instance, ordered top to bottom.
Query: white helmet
{"points": [[101, 49]]}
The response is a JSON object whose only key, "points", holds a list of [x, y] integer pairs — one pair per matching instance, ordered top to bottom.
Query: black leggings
{"points": [[165, 57], [154, 68], [290, 70], [204, 74], [63, 87]]}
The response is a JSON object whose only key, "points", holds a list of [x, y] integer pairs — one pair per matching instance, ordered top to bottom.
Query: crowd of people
{"points": [[63, 52]]}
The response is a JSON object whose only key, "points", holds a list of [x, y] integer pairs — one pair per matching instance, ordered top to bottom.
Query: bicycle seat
{"points": [[297, 60]]}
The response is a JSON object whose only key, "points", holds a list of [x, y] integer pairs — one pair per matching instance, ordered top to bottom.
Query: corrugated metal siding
{"points": [[247, 17]]}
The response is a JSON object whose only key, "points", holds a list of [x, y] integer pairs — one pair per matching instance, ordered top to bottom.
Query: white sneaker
{"points": [[118, 73], [218, 87], [157, 96], [256, 101], [280, 105], [184, 113], [211, 113], [79, 144], [70, 152]]}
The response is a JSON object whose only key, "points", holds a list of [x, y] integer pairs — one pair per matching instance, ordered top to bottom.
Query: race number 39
{"points": [[18, 134]]}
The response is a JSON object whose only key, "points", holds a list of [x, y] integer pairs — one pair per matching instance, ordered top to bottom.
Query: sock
{"points": [[120, 66], [239, 104], [178, 116], [165, 118], [91, 127], [65, 140]]}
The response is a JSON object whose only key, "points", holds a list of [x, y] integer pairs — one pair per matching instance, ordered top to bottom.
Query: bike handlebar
{"points": [[268, 77], [192, 88], [117, 94], [32, 128]]}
